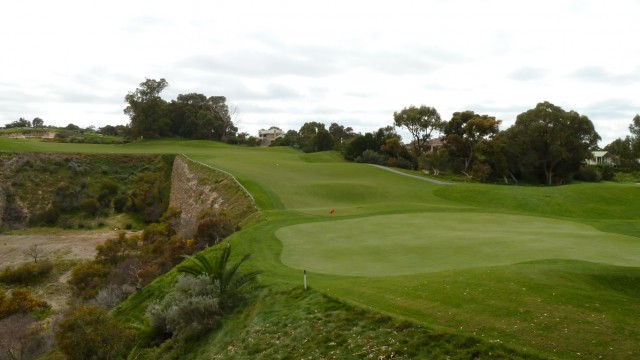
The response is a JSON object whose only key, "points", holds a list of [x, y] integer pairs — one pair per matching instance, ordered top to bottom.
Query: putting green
{"points": [[427, 242]]}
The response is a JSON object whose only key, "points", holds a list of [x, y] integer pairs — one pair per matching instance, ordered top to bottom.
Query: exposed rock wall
{"points": [[196, 188], [3, 203]]}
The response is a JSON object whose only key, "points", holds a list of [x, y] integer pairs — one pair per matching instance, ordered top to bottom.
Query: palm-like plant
{"points": [[226, 277]]}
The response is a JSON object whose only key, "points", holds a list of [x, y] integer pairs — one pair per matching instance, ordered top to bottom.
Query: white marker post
{"points": [[305, 279]]}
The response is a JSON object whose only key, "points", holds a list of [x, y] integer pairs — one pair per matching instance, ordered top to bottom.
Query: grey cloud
{"points": [[318, 61], [528, 73], [601, 75], [615, 108]]}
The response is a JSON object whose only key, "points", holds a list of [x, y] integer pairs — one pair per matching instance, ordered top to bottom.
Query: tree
{"points": [[147, 110], [191, 117], [223, 118], [22, 122], [37, 122], [420, 122], [72, 127], [634, 128], [466, 132], [340, 133], [551, 142], [623, 153], [34, 251], [230, 283], [89, 332], [22, 338]]}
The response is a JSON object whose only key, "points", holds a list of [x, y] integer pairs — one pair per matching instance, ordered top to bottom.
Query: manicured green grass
{"points": [[390, 245], [515, 265]]}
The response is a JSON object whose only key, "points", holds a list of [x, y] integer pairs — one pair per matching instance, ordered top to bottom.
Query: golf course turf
{"points": [[401, 244], [554, 271]]}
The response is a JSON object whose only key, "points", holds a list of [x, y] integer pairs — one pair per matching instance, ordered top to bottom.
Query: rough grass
{"points": [[299, 324]]}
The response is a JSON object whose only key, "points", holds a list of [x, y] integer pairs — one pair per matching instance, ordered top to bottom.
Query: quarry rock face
{"points": [[195, 189]]}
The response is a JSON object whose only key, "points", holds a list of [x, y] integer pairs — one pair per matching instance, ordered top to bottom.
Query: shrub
{"points": [[371, 157], [404, 163], [607, 172], [588, 173], [120, 203], [90, 206], [47, 217], [211, 230], [116, 249], [26, 274], [87, 279], [112, 295], [21, 301], [191, 308], [88, 332], [21, 337]]}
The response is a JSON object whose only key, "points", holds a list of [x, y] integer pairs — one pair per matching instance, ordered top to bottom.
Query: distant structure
{"points": [[267, 136], [434, 144], [600, 158]]}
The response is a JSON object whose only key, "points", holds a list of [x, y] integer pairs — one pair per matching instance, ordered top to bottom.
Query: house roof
{"points": [[599, 153]]}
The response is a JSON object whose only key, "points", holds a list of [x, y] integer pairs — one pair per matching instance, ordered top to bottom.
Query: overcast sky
{"points": [[284, 63]]}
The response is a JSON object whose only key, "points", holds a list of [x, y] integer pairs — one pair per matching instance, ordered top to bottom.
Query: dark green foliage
{"points": [[20, 123], [549, 144], [371, 157], [607, 172], [588, 173], [67, 197], [90, 207], [211, 229], [116, 249], [26, 274], [88, 278], [89, 332]]}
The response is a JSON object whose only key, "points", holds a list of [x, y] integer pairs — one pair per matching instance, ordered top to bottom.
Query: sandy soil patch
{"points": [[58, 245]]}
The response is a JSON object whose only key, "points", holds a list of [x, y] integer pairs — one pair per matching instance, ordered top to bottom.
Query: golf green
{"points": [[403, 244]]}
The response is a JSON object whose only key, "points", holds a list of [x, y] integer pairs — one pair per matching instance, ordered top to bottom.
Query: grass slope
{"points": [[558, 303]]}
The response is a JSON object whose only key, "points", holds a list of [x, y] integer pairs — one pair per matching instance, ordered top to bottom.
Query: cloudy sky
{"points": [[284, 63]]}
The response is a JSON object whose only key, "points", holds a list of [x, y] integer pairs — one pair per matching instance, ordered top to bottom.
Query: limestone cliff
{"points": [[196, 187]]}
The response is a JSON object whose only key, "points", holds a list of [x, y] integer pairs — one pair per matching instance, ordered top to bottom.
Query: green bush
{"points": [[371, 157], [588, 173], [608, 173], [89, 206], [26, 274], [88, 278], [21, 301], [190, 309], [89, 332]]}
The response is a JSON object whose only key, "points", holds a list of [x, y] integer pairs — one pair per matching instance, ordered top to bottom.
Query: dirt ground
{"points": [[57, 245]]}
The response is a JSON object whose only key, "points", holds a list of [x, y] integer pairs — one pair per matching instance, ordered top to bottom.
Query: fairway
{"points": [[403, 244]]}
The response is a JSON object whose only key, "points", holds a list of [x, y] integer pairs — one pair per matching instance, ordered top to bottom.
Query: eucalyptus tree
{"points": [[421, 122], [550, 143]]}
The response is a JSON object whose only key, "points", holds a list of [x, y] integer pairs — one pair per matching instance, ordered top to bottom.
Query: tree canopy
{"points": [[192, 115], [420, 122], [550, 142]]}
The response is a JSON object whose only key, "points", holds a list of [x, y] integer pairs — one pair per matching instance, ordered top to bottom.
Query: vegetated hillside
{"points": [[76, 190]]}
